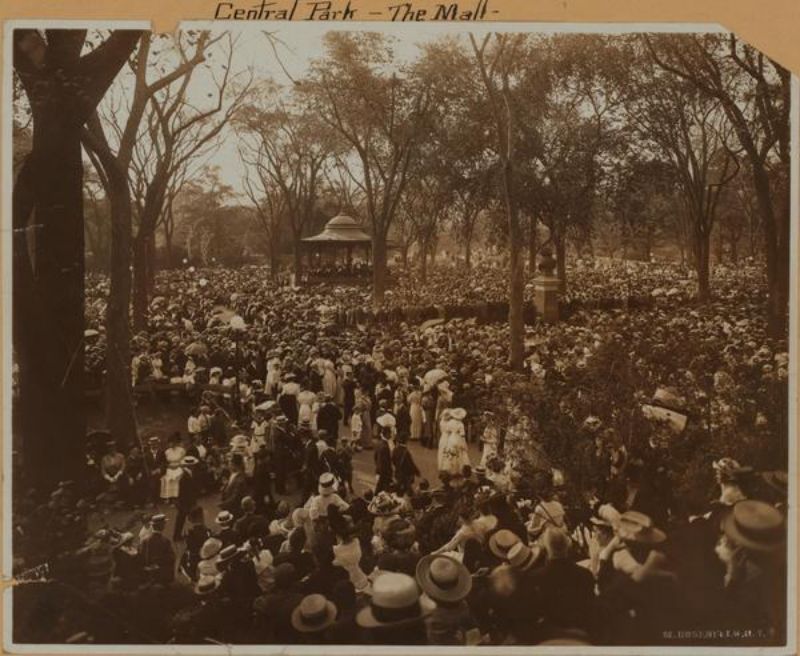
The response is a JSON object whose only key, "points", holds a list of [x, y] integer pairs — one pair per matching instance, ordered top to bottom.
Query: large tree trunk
{"points": [[734, 240], [776, 247], [533, 248], [168, 254], [298, 256], [273, 258], [702, 260], [423, 261], [561, 262], [152, 265], [516, 265], [379, 270], [48, 283], [140, 283], [48, 304], [49, 339], [120, 413]]}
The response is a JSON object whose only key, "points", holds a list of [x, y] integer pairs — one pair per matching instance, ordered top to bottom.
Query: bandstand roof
{"points": [[341, 229]]}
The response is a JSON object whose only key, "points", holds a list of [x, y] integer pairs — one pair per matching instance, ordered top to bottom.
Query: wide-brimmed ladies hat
{"points": [[458, 413], [383, 504], [755, 525], [634, 526], [501, 542], [521, 557], [443, 578], [395, 600], [313, 613]]}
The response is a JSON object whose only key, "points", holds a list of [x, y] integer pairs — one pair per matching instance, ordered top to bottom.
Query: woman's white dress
{"points": [[329, 382], [304, 410], [416, 413], [453, 452], [170, 481], [348, 557]]}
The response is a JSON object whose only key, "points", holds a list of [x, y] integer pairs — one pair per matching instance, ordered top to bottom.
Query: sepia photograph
{"points": [[382, 335]]}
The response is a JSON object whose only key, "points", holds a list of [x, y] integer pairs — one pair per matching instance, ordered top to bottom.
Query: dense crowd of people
{"points": [[630, 488]]}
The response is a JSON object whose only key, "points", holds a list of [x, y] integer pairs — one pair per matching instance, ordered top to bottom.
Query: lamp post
{"points": [[237, 326]]}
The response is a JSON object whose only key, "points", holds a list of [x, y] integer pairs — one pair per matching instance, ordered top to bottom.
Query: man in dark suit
{"points": [[328, 419], [383, 462], [155, 465], [311, 465], [405, 469], [235, 488], [188, 494], [158, 557], [562, 590]]}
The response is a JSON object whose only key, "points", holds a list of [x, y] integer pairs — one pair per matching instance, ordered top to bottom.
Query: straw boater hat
{"points": [[189, 461], [327, 484], [224, 518], [158, 522], [755, 525], [634, 526], [501, 542], [211, 547], [227, 554], [521, 557], [443, 578], [206, 585], [395, 601], [313, 613]]}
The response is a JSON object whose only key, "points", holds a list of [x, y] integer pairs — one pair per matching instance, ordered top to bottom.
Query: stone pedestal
{"points": [[545, 288], [545, 298]]}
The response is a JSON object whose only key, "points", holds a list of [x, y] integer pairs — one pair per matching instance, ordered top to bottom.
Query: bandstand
{"points": [[341, 251]]}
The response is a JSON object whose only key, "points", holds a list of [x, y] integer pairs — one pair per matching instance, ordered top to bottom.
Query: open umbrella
{"points": [[222, 314], [430, 323], [196, 348], [434, 377]]}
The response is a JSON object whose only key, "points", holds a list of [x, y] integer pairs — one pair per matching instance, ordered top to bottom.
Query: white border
{"points": [[407, 29]]}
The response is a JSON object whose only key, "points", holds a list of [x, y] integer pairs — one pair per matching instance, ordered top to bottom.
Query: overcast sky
{"points": [[301, 42], [297, 44]]}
